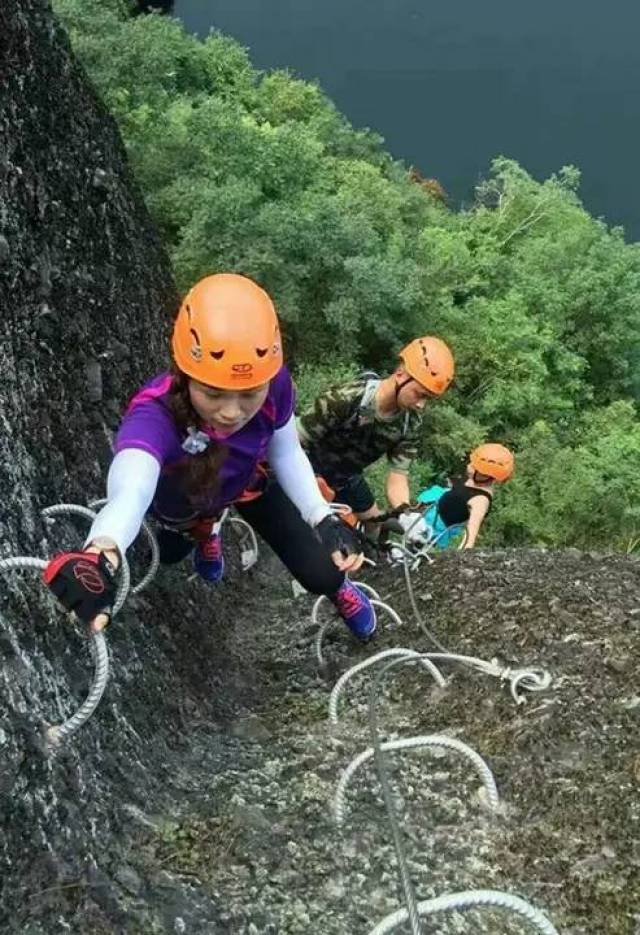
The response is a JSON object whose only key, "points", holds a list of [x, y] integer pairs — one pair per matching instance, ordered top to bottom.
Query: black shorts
{"points": [[355, 492]]}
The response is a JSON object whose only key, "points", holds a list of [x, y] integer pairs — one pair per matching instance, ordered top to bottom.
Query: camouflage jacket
{"points": [[343, 434]]}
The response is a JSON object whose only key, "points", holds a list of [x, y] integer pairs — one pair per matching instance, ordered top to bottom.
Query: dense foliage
{"points": [[541, 302]]}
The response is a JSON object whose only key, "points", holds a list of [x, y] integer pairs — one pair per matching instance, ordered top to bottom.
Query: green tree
{"points": [[261, 174]]}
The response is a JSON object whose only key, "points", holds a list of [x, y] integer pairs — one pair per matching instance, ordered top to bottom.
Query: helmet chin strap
{"points": [[400, 387]]}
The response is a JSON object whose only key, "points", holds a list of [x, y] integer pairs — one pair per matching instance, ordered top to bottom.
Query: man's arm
{"points": [[401, 456], [397, 488]]}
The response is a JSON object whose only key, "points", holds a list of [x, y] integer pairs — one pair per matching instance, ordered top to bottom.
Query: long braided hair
{"points": [[200, 473]]}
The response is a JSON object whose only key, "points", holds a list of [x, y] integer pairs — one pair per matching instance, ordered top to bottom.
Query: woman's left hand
{"points": [[342, 543]]}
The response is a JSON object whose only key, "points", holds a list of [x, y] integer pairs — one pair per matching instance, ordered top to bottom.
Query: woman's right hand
{"points": [[342, 543], [84, 583]]}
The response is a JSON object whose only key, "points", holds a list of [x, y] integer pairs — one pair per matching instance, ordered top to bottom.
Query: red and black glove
{"points": [[83, 582]]}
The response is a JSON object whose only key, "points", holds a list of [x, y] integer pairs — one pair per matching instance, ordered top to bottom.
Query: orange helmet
{"points": [[227, 333], [429, 361], [493, 460]]}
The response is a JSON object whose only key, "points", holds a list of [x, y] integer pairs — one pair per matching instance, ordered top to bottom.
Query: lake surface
{"points": [[451, 85]]}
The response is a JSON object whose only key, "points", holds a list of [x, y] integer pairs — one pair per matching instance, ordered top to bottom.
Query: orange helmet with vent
{"points": [[227, 333], [429, 361], [493, 460]]}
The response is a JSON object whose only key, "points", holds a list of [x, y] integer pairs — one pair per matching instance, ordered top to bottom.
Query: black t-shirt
{"points": [[453, 506]]}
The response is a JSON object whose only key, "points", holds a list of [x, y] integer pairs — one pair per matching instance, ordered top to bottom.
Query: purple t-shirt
{"points": [[149, 425]]}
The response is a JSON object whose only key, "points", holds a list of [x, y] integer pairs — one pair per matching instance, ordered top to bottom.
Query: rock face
{"points": [[85, 291], [85, 300], [197, 798], [251, 847]]}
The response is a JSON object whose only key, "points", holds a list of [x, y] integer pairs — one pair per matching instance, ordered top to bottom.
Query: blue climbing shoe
{"points": [[208, 559], [356, 610]]}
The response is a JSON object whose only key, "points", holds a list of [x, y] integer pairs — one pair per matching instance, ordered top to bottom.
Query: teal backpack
{"points": [[445, 535]]}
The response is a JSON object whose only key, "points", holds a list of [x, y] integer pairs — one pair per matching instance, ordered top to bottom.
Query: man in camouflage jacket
{"points": [[351, 426]]}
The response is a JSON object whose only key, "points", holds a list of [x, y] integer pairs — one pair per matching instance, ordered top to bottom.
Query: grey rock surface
{"points": [[197, 799]]}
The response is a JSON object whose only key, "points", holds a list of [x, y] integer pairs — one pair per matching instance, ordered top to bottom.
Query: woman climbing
{"points": [[215, 430], [468, 499]]}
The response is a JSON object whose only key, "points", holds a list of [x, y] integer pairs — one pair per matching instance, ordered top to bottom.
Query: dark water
{"points": [[451, 85]]}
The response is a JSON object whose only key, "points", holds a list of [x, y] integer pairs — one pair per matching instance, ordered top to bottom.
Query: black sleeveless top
{"points": [[453, 506]]}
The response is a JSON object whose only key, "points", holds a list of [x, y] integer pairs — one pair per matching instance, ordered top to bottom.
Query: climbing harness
{"points": [[247, 540]]}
